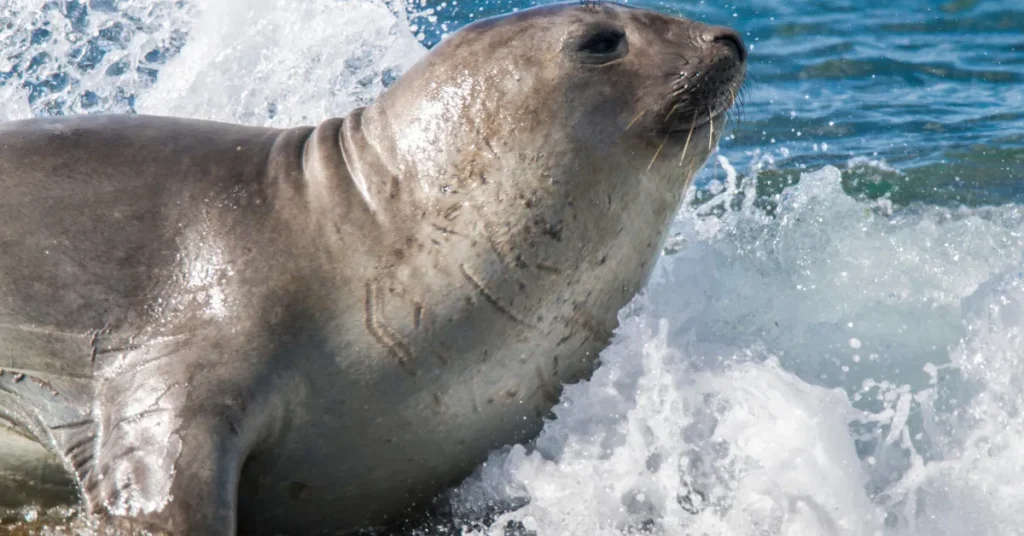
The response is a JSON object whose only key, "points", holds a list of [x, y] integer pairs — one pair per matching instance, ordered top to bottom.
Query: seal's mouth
{"points": [[711, 117], [698, 121]]}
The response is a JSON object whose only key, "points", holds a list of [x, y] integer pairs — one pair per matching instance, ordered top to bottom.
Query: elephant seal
{"points": [[217, 327]]}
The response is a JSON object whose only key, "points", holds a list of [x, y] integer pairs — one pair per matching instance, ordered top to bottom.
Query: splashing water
{"points": [[261, 62], [282, 63], [820, 364], [829, 371]]}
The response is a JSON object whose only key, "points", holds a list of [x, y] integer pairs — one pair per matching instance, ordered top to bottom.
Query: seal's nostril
{"points": [[729, 37]]}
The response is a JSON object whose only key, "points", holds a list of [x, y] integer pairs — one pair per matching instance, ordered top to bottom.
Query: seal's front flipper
{"points": [[139, 434], [170, 440], [186, 484]]}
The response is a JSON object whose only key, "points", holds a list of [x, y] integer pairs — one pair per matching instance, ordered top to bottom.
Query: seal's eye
{"points": [[602, 42], [601, 45]]}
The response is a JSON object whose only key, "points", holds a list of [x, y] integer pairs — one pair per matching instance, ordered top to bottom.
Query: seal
{"points": [[219, 328]]}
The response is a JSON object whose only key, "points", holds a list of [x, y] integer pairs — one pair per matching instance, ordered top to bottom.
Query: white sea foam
{"points": [[283, 62], [841, 368], [735, 373]]}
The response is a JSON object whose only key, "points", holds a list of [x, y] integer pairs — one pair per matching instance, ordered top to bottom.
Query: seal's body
{"points": [[298, 330]]}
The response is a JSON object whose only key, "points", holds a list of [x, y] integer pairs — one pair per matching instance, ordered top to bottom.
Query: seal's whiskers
{"points": [[672, 111], [635, 119], [687, 144], [656, 153]]}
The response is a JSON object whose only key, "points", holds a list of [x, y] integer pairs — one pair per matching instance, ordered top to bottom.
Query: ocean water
{"points": [[833, 340]]}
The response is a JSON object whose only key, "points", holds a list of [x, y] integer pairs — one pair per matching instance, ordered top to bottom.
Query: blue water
{"points": [[832, 342]]}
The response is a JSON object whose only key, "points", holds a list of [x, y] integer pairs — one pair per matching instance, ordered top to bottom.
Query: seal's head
{"points": [[573, 81]]}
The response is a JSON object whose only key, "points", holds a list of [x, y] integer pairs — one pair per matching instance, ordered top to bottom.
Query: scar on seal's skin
{"points": [[452, 212], [446, 230], [489, 232], [545, 267], [491, 298], [417, 315], [380, 331], [95, 338], [73, 424], [81, 443]]}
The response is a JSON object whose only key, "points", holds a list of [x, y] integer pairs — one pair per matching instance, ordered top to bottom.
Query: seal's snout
{"points": [[729, 38], [708, 65]]}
